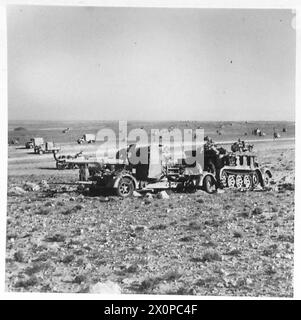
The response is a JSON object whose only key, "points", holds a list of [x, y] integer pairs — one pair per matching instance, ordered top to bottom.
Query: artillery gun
{"points": [[62, 164], [123, 175]]}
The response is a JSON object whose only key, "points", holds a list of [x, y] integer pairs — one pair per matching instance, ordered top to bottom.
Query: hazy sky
{"points": [[74, 63]]}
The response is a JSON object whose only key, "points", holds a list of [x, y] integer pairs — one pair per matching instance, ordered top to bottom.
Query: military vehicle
{"points": [[88, 137], [34, 142], [47, 147], [61, 163], [237, 169], [123, 175]]}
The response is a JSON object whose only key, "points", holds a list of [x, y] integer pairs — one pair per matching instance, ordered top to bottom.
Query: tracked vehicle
{"points": [[237, 169], [241, 171]]}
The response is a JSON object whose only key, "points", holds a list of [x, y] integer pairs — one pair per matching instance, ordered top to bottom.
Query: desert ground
{"points": [[229, 243]]}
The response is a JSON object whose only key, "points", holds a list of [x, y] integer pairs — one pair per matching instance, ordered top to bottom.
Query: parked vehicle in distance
{"points": [[88, 137], [34, 142], [46, 148]]}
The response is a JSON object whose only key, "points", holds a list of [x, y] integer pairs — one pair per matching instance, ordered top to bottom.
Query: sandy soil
{"points": [[231, 243]]}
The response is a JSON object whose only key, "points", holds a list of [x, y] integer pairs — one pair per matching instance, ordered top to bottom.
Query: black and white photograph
{"points": [[151, 150]]}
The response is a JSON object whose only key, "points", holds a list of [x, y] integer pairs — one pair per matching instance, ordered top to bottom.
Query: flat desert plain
{"points": [[228, 243]]}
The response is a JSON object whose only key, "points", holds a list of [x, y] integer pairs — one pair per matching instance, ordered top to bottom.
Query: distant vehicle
{"points": [[66, 130], [284, 130], [256, 132], [276, 135], [88, 137], [34, 142], [46, 148]]}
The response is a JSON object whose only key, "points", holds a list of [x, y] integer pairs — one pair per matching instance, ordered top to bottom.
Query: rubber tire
{"points": [[211, 168], [266, 180], [130, 183], [208, 183]]}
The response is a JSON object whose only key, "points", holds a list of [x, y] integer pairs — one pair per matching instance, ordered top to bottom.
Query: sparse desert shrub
{"points": [[73, 210], [257, 210], [43, 211], [245, 214], [213, 223], [194, 225], [158, 227], [259, 231], [237, 234], [286, 237], [56, 238], [186, 239], [209, 243], [234, 252], [211, 255], [19, 256], [43, 257], [67, 259], [196, 259], [35, 268], [133, 268], [270, 270], [171, 275], [79, 279], [27, 283], [148, 284], [183, 291]]}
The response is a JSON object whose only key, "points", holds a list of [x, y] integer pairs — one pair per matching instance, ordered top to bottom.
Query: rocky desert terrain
{"points": [[229, 243]]}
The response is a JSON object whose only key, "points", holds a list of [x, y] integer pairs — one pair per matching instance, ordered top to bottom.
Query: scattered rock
{"points": [[44, 184], [29, 186], [15, 191], [136, 194], [163, 195], [104, 199], [257, 210], [56, 238], [107, 287]]}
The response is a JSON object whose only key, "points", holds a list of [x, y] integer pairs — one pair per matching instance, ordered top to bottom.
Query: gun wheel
{"points": [[266, 179], [231, 181], [209, 184], [125, 187]]}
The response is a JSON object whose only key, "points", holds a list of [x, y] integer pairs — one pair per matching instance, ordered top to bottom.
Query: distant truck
{"points": [[88, 137], [34, 142], [46, 148]]}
